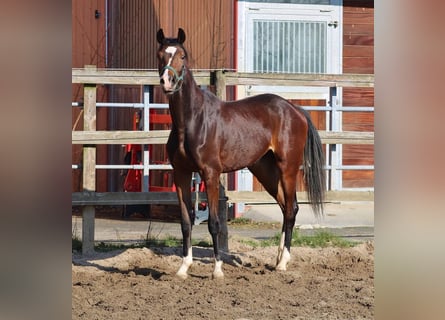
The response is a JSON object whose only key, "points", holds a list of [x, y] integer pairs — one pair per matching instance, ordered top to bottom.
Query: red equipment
{"points": [[133, 155], [163, 180]]}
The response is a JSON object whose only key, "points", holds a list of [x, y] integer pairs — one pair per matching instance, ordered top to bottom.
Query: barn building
{"points": [[292, 36]]}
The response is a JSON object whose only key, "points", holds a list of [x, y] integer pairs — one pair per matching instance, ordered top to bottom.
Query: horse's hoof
{"points": [[280, 268], [217, 272], [181, 275], [217, 275]]}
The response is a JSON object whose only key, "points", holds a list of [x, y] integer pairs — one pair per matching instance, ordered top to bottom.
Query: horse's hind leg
{"points": [[269, 175], [279, 179], [182, 181], [288, 181], [290, 213]]}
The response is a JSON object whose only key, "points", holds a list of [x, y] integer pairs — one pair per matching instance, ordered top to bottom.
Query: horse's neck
{"points": [[186, 102]]}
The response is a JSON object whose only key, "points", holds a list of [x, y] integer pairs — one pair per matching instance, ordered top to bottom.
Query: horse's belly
{"points": [[240, 157]]}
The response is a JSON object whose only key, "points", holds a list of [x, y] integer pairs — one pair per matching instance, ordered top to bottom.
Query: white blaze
{"points": [[172, 51]]}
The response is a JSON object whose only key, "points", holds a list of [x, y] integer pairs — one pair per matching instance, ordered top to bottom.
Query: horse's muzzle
{"points": [[170, 80]]}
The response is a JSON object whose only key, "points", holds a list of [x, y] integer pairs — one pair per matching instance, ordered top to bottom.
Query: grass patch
{"points": [[241, 221], [249, 223], [321, 239], [168, 241], [76, 244], [107, 247]]}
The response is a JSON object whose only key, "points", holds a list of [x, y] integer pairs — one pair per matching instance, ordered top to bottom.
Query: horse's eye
{"points": [[183, 57]]}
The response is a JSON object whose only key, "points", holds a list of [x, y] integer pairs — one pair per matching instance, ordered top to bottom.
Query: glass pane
{"points": [[289, 46]]}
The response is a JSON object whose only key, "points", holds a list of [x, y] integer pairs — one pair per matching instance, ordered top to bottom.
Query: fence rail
{"points": [[91, 75], [295, 79], [161, 136], [247, 197]]}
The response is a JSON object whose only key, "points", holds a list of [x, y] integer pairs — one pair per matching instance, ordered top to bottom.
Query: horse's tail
{"points": [[313, 168]]}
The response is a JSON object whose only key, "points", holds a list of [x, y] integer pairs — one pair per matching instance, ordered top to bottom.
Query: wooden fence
{"points": [[89, 137]]}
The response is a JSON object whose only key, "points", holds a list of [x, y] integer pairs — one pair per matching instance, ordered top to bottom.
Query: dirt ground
{"points": [[324, 283]]}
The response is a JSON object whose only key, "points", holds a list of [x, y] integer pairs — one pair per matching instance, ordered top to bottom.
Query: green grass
{"points": [[241, 221], [321, 239], [168, 241], [76, 244]]}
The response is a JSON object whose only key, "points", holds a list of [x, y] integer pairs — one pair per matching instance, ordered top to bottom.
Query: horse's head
{"points": [[171, 61]]}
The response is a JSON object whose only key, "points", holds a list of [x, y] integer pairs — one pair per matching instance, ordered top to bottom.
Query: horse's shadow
{"points": [[202, 254], [92, 261]]}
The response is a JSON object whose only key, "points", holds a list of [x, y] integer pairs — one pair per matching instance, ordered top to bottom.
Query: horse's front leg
{"points": [[182, 181], [212, 188]]}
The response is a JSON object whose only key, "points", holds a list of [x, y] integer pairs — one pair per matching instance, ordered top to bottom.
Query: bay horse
{"points": [[265, 133]]}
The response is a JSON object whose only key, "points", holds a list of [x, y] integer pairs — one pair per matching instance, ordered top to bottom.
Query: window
{"points": [[289, 46]]}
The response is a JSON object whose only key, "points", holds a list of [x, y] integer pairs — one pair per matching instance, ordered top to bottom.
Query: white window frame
{"points": [[250, 11]]}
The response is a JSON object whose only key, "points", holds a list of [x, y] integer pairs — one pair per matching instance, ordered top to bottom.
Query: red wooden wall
{"points": [[358, 57]]}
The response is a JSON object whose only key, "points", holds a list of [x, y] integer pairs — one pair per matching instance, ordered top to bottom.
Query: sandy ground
{"points": [[325, 283]]}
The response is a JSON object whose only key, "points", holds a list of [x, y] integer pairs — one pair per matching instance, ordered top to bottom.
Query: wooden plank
{"points": [[364, 17], [362, 29], [357, 39], [358, 51], [354, 62], [132, 77], [149, 77], [292, 79], [358, 97], [359, 121], [161, 136], [120, 137], [346, 137], [358, 179], [252, 197], [123, 198]]}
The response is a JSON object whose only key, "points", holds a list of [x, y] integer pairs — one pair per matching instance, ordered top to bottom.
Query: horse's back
{"points": [[267, 108]]}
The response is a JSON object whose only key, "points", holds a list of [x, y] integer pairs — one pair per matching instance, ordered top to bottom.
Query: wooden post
{"points": [[220, 83], [89, 167], [223, 237]]}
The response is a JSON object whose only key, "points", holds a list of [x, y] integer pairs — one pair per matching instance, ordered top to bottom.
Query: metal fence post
{"points": [[335, 150], [146, 152]]}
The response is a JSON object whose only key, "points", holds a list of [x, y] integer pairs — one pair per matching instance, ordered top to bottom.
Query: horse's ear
{"points": [[160, 36], [181, 36]]}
